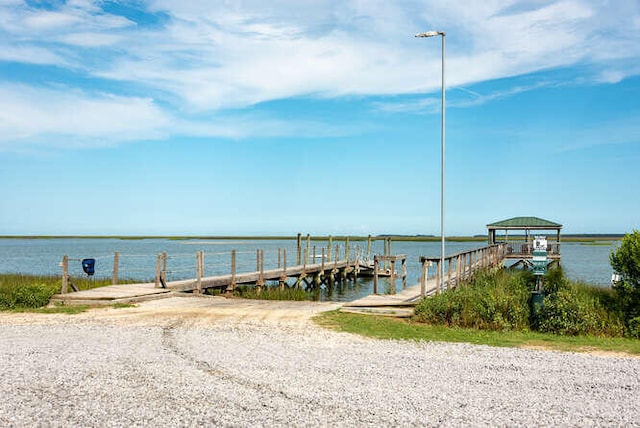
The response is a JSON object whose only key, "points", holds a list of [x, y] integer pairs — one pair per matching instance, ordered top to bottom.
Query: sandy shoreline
{"points": [[198, 361]]}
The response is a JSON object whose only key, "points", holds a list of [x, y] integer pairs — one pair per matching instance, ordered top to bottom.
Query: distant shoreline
{"points": [[417, 238]]}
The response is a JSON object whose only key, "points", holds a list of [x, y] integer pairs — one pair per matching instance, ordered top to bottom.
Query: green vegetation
{"points": [[625, 261], [21, 292], [274, 293], [492, 301], [501, 301], [575, 308], [58, 309], [391, 328]]}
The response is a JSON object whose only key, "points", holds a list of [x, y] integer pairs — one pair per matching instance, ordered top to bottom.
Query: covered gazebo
{"points": [[524, 230]]}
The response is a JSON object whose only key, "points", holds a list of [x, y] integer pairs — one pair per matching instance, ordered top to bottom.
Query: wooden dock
{"points": [[459, 267], [307, 276]]}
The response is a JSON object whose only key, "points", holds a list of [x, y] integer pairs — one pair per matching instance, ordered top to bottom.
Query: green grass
{"points": [[21, 292], [274, 293], [58, 309], [391, 328]]}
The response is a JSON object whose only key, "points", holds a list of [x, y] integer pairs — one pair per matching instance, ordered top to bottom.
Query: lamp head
{"points": [[431, 34]]}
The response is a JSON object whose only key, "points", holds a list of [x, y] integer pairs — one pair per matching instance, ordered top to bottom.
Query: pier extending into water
{"points": [[335, 265], [459, 267], [313, 268]]}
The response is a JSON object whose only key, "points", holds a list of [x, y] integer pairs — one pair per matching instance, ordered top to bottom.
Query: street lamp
{"points": [[424, 35]]}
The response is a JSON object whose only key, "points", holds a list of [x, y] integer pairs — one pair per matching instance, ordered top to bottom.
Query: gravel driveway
{"points": [[202, 362]]}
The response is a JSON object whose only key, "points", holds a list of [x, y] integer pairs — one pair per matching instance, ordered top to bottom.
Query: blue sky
{"points": [[254, 117]]}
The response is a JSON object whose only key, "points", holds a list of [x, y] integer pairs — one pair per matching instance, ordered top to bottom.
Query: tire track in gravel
{"points": [[266, 391]]}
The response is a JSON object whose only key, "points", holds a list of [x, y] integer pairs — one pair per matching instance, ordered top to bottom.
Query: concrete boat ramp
{"points": [[112, 294]]}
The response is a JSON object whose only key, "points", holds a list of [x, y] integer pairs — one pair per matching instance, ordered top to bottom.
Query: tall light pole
{"points": [[433, 34]]}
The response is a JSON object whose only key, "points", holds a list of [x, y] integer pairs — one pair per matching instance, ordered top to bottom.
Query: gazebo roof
{"points": [[525, 223]]}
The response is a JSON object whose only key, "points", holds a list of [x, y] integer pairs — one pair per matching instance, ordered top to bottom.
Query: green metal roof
{"points": [[524, 223]]}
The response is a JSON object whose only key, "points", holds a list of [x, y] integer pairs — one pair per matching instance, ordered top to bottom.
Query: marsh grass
{"points": [[19, 292], [274, 293]]}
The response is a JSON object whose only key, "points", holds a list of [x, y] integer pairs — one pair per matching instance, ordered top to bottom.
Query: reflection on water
{"points": [[138, 258]]}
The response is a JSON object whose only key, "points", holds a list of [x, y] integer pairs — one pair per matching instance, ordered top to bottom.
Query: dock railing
{"points": [[525, 249], [460, 266]]}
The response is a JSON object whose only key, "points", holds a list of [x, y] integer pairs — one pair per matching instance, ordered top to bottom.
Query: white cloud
{"points": [[247, 53], [213, 56], [66, 118], [69, 118]]}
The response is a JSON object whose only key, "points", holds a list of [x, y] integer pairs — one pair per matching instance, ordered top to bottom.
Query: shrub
{"points": [[625, 261], [25, 295], [491, 301], [577, 309], [634, 327]]}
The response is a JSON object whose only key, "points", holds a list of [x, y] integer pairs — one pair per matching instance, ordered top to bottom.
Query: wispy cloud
{"points": [[213, 56], [67, 118]]}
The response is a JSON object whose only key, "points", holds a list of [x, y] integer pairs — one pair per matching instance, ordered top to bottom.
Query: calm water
{"points": [[138, 258]]}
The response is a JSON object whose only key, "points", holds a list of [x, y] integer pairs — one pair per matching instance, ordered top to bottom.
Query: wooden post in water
{"points": [[299, 242], [329, 248], [368, 248], [346, 249], [308, 253], [314, 255], [279, 258], [257, 260], [116, 262], [385, 264], [164, 268], [158, 270], [304, 270], [404, 273], [449, 273], [375, 274], [65, 275], [283, 276], [393, 276], [423, 278], [261, 281], [438, 282], [232, 286], [198, 289]]}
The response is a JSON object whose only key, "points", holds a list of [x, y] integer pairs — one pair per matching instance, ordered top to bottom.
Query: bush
{"points": [[625, 261], [21, 295], [491, 301], [576, 309], [633, 328]]}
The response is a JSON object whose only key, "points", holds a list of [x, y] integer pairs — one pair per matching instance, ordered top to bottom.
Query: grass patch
{"points": [[19, 292], [274, 293], [123, 305], [58, 309], [391, 328]]}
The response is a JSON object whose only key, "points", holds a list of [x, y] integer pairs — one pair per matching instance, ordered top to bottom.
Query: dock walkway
{"points": [[307, 275]]}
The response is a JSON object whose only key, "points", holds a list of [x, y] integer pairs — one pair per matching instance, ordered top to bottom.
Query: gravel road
{"points": [[180, 362]]}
